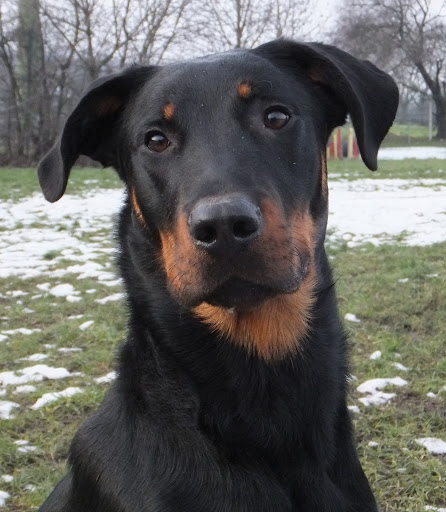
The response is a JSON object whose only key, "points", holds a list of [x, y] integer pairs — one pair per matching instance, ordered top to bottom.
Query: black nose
{"points": [[225, 224]]}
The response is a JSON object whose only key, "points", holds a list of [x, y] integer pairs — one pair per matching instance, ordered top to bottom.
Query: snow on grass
{"points": [[420, 153], [382, 208], [375, 210], [59, 229], [62, 290], [73, 298], [110, 298], [352, 318], [86, 325], [22, 330], [376, 355], [34, 357], [400, 367], [33, 374], [111, 376], [372, 385], [26, 388], [373, 390], [48, 398], [377, 398], [6, 409], [433, 445], [24, 446], [7, 478], [3, 497], [437, 509]]}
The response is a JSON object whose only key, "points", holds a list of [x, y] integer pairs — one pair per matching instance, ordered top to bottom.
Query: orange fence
{"points": [[339, 148]]}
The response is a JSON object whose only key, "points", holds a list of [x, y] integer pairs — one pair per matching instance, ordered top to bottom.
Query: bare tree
{"points": [[227, 24], [407, 37], [50, 50]]}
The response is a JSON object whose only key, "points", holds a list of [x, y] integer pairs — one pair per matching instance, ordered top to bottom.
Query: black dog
{"points": [[231, 387]]}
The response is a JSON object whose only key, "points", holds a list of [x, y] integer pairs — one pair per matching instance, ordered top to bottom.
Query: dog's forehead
{"points": [[220, 77]]}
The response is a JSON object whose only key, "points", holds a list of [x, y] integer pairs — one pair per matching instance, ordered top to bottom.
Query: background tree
{"points": [[228, 24], [405, 37], [51, 49]]}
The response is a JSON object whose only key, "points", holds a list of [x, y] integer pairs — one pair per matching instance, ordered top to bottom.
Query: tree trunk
{"points": [[30, 73], [440, 116]]}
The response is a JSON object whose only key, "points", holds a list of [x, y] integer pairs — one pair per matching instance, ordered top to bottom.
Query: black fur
{"points": [[195, 421]]}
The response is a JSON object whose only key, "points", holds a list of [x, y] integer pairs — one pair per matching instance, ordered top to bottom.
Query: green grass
{"points": [[403, 135], [411, 135], [410, 168], [19, 182], [406, 321]]}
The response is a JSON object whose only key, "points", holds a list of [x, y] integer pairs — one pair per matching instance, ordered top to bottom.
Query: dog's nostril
{"points": [[225, 224], [244, 228], [205, 233]]}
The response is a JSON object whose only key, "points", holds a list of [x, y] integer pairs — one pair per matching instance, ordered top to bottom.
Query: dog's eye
{"points": [[276, 118], [156, 141]]}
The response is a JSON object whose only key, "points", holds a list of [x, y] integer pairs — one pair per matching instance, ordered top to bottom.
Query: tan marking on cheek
{"points": [[245, 90], [169, 111], [324, 180], [136, 207], [304, 232], [179, 256], [274, 330]]}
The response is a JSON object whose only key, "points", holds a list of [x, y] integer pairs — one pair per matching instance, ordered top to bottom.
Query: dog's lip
{"points": [[237, 294]]}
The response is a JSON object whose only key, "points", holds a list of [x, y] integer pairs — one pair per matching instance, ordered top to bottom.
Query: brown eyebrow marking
{"points": [[245, 90], [169, 111]]}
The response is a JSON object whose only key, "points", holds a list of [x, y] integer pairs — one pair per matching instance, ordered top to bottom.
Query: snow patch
{"points": [[419, 153], [388, 208], [110, 298], [352, 318], [86, 325], [22, 330], [34, 357], [400, 367], [33, 374], [106, 378], [25, 389], [374, 395], [48, 398], [6, 409], [433, 445], [3, 497]]}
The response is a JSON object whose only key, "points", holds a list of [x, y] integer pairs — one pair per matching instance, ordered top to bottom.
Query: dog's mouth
{"points": [[239, 294]]}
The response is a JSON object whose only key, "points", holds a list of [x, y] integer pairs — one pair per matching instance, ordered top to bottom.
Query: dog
{"points": [[231, 386]]}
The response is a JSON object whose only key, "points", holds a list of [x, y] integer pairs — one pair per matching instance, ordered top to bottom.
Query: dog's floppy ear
{"points": [[369, 95], [91, 129]]}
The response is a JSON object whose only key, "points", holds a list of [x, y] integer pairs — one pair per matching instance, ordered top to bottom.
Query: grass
{"points": [[403, 135], [411, 135], [403, 169], [20, 182], [406, 321]]}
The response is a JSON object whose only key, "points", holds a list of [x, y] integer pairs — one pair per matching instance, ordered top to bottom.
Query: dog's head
{"points": [[224, 162]]}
